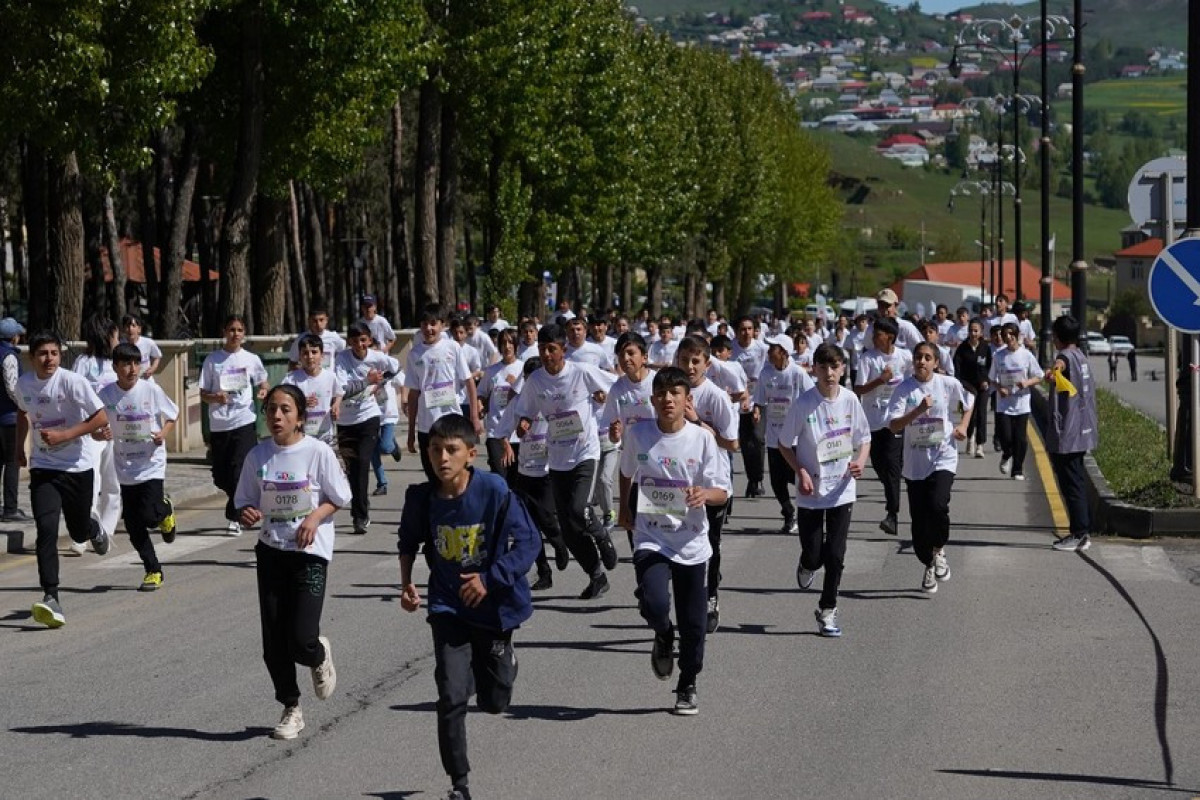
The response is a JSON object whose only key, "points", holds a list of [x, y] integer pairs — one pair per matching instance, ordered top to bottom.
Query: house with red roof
{"points": [[1133, 265], [967, 275]]}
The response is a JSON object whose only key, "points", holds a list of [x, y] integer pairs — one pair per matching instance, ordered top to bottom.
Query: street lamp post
{"points": [[985, 189]]}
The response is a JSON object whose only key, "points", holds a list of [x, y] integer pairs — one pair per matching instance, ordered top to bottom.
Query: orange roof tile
{"points": [[966, 273]]}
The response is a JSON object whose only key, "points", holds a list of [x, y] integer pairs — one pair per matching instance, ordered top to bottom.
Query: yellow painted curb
{"points": [[1058, 511]]}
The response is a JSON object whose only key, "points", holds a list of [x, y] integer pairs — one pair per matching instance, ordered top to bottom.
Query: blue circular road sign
{"points": [[1174, 285]]}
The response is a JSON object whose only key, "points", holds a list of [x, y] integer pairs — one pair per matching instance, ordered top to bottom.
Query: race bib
{"points": [[1010, 378], [234, 379], [883, 394], [440, 395], [502, 396], [777, 408], [314, 420], [48, 424], [565, 426], [133, 427], [928, 431], [835, 445], [533, 450], [662, 497], [285, 500]]}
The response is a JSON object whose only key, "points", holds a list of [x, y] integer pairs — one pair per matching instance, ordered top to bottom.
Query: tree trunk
{"points": [[425, 188], [164, 202], [64, 204], [447, 204], [239, 210], [147, 234], [207, 246], [176, 249], [4, 255], [401, 255], [116, 259], [20, 263], [627, 271], [318, 273], [270, 276], [40, 279], [299, 279], [472, 280], [604, 280], [654, 291], [96, 294], [689, 294], [718, 297], [531, 299]]}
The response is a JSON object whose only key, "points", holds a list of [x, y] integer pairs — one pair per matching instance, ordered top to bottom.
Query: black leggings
{"points": [[1013, 431], [357, 444], [229, 451], [53, 495], [929, 507], [143, 508], [823, 534], [291, 594]]}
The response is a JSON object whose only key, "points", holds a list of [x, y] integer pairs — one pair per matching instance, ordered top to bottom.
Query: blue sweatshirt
{"points": [[485, 530]]}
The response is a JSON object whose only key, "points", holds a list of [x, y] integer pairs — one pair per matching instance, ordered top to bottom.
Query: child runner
{"points": [[318, 325], [131, 327], [929, 330], [382, 335], [803, 351], [751, 354], [972, 363], [95, 364], [11, 365], [360, 370], [880, 371], [1014, 371], [435, 372], [227, 379], [501, 383], [779, 384], [321, 388], [563, 391], [629, 399], [60, 408], [710, 408], [920, 411], [140, 415], [389, 417], [1072, 429], [825, 439], [671, 472], [529, 477], [293, 485], [479, 542]]}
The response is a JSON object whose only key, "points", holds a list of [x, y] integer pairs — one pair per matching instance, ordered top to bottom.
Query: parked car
{"points": [[1095, 344], [1120, 344]]}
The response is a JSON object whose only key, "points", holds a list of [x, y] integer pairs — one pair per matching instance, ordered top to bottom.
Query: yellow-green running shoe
{"points": [[152, 581]]}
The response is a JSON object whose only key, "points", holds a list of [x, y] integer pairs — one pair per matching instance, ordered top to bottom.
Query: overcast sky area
{"points": [[934, 6]]}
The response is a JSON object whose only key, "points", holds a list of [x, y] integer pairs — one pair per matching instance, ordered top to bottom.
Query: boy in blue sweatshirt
{"points": [[479, 543]]}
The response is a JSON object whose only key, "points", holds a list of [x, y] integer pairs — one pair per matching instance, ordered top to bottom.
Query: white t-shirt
{"points": [[1003, 319], [381, 330], [1027, 332], [956, 334], [907, 337], [331, 345], [149, 350], [526, 351], [589, 353], [662, 353], [488, 354], [752, 359], [474, 364], [870, 366], [1010, 367], [437, 371], [99, 372], [238, 375], [727, 375], [500, 385], [324, 386], [776, 393], [385, 395], [63, 400], [565, 400], [628, 402], [362, 405], [134, 417], [826, 435], [929, 444], [661, 466], [287, 484]]}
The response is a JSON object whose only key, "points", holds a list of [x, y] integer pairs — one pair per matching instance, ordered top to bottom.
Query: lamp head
{"points": [[955, 67]]}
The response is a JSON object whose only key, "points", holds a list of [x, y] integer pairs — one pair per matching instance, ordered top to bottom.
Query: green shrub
{"points": [[1132, 455]]}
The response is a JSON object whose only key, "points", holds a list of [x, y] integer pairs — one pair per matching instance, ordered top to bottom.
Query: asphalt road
{"points": [[1030, 673]]}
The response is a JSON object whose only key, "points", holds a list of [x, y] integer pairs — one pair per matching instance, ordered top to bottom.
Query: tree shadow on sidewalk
{"points": [[88, 730]]}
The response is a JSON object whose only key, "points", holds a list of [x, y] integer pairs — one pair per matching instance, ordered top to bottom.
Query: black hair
{"points": [[1002, 296], [318, 310], [960, 310], [431, 312], [232, 318], [131, 319], [457, 321], [737, 323], [887, 325], [926, 325], [358, 329], [1011, 329], [1066, 329], [98, 331], [507, 334], [552, 334], [42, 338], [628, 338], [310, 340], [720, 342], [931, 347], [125, 353], [828, 353], [532, 365], [668, 378], [295, 394], [454, 426]]}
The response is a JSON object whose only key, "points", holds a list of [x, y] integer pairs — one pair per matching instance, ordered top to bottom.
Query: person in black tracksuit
{"points": [[972, 362]]}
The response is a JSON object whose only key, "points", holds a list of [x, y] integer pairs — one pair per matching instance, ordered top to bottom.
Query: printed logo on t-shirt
{"points": [[461, 543]]}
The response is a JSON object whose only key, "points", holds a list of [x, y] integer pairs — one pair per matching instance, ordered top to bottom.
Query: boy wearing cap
{"points": [[887, 306], [381, 329], [10, 362], [780, 383]]}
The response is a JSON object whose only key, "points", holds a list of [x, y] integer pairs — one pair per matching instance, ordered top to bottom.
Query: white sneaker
{"points": [[979, 450], [1004, 466], [1018, 477], [235, 529], [78, 548], [941, 567], [929, 581], [324, 676], [290, 724]]}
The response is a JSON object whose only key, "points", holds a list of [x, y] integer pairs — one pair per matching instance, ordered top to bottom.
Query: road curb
{"points": [[1112, 515]]}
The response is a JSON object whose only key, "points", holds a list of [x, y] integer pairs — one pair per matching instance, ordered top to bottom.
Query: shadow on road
{"points": [[87, 730], [1062, 777]]}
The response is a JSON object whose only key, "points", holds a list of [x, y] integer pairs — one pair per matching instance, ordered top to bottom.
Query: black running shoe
{"points": [[608, 551], [596, 587]]}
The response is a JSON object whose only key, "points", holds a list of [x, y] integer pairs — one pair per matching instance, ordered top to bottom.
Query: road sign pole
{"points": [[1166, 183]]}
